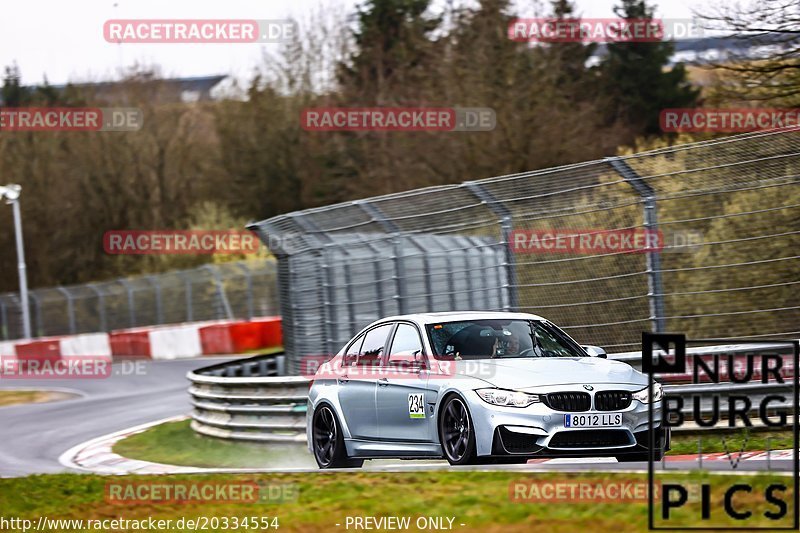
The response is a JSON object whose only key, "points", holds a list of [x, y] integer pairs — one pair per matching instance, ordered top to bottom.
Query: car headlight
{"points": [[658, 393], [507, 398]]}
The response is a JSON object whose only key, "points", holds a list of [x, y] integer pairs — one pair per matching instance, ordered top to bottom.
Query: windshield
{"points": [[490, 339]]}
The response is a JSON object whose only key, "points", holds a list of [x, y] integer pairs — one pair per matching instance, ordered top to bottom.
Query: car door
{"points": [[360, 365], [403, 397]]}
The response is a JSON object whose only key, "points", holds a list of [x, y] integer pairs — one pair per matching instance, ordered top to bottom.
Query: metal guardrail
{"points": [[247, 400], [250, 400]]}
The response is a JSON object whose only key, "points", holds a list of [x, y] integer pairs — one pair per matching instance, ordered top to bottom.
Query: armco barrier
{"points": [[245, 400], [248, 400]]}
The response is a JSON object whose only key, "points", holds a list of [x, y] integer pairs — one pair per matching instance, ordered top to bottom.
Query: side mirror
{"points": [[595, 351]]}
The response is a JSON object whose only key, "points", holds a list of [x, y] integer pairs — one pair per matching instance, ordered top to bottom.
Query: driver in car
{"points": [[512, 345]]}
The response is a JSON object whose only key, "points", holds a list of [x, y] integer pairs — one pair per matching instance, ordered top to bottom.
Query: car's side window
{"points": [[549, 342], [374, 345], [406, 346], [351, 355]]}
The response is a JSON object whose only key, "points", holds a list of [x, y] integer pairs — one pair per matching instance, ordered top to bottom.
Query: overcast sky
{"points": [[64, 40]]}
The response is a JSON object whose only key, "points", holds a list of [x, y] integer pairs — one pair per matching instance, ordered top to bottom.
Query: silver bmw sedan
{"points": [[476, 387]]}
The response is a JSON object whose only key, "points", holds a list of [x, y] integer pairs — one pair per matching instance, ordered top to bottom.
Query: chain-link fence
{"points": [[724, 263], [215, 291]]}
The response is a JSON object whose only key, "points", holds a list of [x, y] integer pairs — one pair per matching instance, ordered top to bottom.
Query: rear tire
{"points": [[456, 432], [328, 441]]}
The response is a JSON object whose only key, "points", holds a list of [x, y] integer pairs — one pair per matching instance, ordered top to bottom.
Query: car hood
{"points": [[523, 373]]}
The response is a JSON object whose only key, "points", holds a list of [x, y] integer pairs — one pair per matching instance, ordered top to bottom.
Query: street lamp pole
{"points": [[11, 195]]}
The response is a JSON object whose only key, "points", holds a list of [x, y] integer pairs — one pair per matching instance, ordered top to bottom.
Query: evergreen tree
{"points": [[392, 48], [569, 59], [636, 80], [13, 94]]}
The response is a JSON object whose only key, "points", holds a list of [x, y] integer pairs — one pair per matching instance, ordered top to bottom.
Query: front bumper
{"points": [[538, 430], [506, 443]]}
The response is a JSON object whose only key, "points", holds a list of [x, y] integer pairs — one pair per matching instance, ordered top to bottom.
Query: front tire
{"points": [[456, 432], [328, 441]]}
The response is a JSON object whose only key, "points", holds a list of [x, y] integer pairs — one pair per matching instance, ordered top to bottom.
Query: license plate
{"points": [[605, 420]]}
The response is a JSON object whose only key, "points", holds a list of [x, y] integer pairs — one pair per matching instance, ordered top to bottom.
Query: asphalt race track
{"points": [[32, 437]]}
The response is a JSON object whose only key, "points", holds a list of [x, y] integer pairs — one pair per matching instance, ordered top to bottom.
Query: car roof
{"points": [[455, 316]]}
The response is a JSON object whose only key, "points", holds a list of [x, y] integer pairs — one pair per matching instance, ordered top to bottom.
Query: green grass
{"points": [[15, 397], [175, 443], [686, 444], [480, 500]]}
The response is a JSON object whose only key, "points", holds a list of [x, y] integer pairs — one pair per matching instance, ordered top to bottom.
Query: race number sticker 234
{"points": [[416, 405]]}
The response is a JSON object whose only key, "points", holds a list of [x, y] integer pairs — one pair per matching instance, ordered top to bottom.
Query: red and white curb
{"points": [[734, 455], [774, 455], [97, 456]]}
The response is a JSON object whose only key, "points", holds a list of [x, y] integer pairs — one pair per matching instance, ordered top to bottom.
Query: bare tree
{"points": [[765, 66]]}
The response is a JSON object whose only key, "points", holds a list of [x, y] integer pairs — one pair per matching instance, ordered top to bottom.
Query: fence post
{"points": [[506, 220], [378, 273], [400, 273], [249, 277], [187, 280], [654, 280], [157, 290], [223, 298], [328, 298], [131, 303], [101, 306], [70, 309], [38, 313], [3, 318]]}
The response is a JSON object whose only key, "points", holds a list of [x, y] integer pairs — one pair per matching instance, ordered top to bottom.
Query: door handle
{"points": [[343, 379], [383, 382]]}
